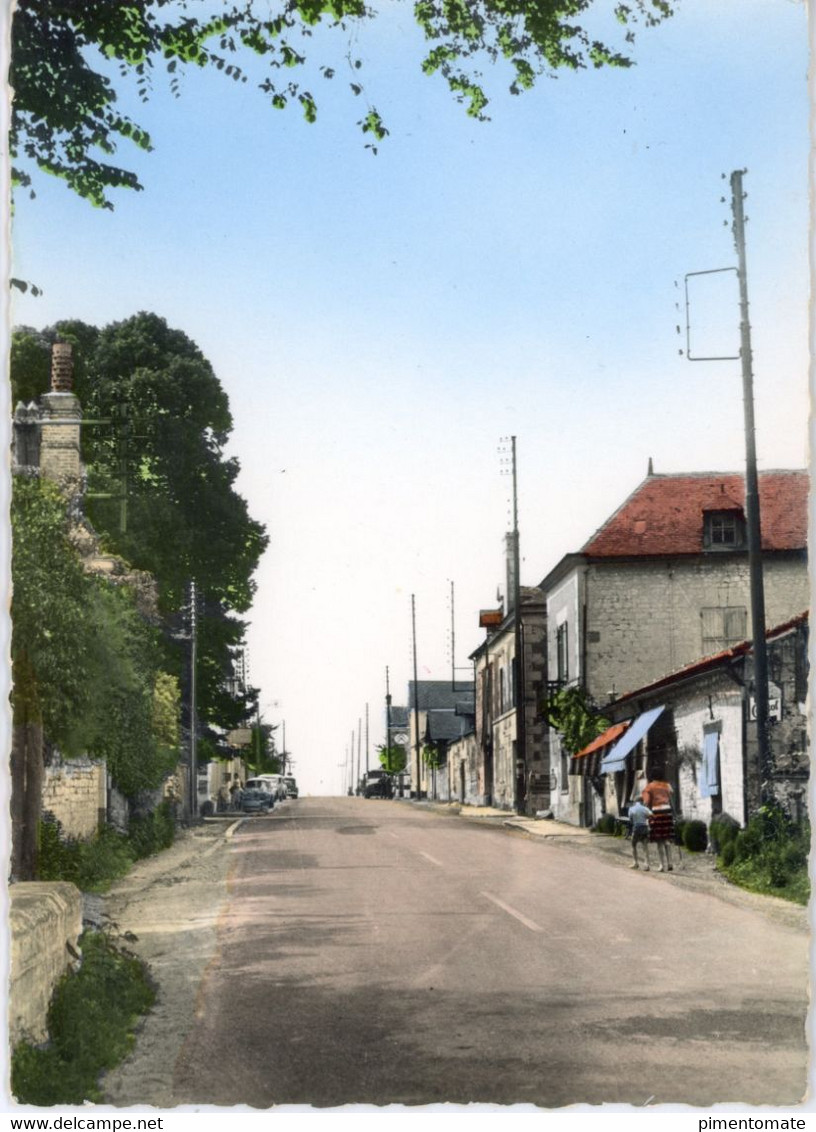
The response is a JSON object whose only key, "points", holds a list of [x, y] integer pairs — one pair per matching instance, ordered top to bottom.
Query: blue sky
{"points": [[379, 323]]}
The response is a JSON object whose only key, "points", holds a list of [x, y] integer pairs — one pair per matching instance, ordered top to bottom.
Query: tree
{"points": [[65, 119], [169, 422], [86, 668], [569, 712], [393, 759]]}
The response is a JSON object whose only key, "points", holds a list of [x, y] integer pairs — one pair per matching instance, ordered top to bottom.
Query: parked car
{"points": [[264, 785], [378, 785], [278, 786], [291, 786], [256, 801]]}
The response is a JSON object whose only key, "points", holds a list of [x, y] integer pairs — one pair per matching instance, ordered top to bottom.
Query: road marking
{"points": [[428, 857], [512, 912]]}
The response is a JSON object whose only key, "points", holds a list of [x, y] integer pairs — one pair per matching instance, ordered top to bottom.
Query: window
{"points": [[723, 530], [723, 626], [562, 652]]}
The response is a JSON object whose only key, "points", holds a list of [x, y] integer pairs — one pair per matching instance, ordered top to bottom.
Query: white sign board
{"points": [[774, 704]]}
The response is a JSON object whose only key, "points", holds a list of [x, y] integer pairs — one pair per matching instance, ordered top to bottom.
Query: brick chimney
{"points": [[61, 416]]}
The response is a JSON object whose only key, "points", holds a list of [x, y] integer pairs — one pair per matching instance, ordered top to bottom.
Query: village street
{"points": [[344, 950]]}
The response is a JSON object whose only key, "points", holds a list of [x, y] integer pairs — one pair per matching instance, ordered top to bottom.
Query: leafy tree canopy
{"points": [[65, 119], [169, 421], [85, 662], [569, 712], [393, 759]]}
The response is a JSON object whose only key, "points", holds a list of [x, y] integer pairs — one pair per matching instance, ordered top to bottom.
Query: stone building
{"points": [[662, 583], [428, 698], [693, 728], [508, 777]]}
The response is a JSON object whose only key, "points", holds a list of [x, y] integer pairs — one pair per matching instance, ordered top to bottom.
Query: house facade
{"points": [[662, 583], [426, 699], [697, 734], [507, 776]]}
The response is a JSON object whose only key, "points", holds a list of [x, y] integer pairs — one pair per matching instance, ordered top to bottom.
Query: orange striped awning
{"points": [[590, 755]]}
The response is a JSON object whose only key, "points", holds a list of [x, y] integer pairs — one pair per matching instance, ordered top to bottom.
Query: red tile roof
{"points": [[664, 515]]}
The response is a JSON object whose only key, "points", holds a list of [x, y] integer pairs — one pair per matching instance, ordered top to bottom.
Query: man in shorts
{"points": [[639, 819]]}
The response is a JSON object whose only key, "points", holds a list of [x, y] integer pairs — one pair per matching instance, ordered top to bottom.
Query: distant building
{"points": [[431, 698]]}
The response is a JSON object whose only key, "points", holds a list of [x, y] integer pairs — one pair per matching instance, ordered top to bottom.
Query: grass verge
{"points": [[91, 1022]]}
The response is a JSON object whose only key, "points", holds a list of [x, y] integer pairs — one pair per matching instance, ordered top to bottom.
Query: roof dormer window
{"points": [[723, 530]]}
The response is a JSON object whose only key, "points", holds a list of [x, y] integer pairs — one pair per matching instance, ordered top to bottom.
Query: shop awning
{"points": [[616, 758], [587, 761]]}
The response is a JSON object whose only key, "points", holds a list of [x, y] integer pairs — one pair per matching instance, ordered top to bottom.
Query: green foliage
{"points": [[65, 119], [30, 365], [84, 660], [569, 712], [260, 755], [432, 757], [393, 759], [606, 823], [722, 831], [695, 835], [770, 855], [94, 864], [90, 1023]]}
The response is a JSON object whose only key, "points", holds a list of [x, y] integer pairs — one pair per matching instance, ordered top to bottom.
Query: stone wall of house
{"points": [[643, 619], [788, 671], [714, 701], [537, 732], [463, 771], [75, 793], [45, 920]]}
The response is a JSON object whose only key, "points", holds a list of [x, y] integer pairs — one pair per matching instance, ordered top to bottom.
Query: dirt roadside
{"points": [[171, 904]]}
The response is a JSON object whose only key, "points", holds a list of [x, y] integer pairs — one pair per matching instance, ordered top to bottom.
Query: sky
{"points": [[381, 322]]}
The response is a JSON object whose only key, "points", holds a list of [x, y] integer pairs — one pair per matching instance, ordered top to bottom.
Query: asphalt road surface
{"points": [[373, 952]]}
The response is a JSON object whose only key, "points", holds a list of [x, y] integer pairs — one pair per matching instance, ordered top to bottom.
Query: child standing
{"points": [[639, 817]]}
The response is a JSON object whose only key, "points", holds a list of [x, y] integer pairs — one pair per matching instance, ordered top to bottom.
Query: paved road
{"points": [[369, 951]]}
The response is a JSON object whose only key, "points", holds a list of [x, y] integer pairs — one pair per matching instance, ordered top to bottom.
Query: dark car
{"points": [[291, 786], [379, 787], [256, 802]]}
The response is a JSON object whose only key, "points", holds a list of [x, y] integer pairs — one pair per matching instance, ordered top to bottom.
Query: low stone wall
{"points": [[76, 794], [45, 919]]}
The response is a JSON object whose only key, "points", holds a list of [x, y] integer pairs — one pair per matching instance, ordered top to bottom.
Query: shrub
{"points": [[606, 823], [679, 830], [722, 831], [695, 836], [728, 854], [770, 855], [93, 865], [90, 1024]]}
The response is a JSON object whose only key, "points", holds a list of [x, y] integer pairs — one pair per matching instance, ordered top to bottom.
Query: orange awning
{"points": [[611, 735]]}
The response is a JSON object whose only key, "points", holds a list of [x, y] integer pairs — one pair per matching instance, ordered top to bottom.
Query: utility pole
{"points": [[752, 513], [453, 644], [518, 690], [416, 702], [193, 708], [387, 715], [366, 740], [359, 743], [283, 749]]}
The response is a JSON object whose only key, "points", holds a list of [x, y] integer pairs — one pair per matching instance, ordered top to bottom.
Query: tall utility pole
{"points": [[752, 515], [453, 643], [518, 690], [416, 702], [193, 707], [366, 740], [359, 744]]}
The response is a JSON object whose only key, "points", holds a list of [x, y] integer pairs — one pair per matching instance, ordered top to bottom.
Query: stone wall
{"points": [[643, 619], [76, 794], [45, 920]]}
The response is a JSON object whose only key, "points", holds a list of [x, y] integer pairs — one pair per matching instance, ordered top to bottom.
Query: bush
{"points": [[606, 823], [679, 830], [722, 831], [695, 836], [770, 855], [93, 865], [90, 1024]]}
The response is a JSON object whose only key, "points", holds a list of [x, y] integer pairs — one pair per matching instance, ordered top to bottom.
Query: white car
{"points": [[277, 785]]}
